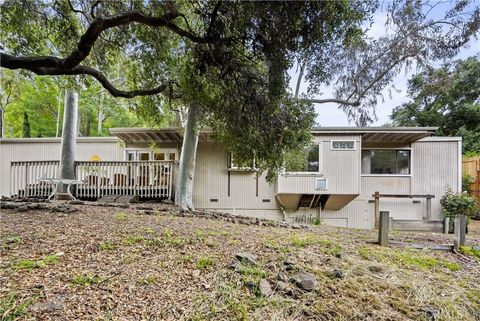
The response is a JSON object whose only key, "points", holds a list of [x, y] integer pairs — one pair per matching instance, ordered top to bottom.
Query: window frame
{"points": [[343, 140], [232, 168], [301, 173], [388, 175]]}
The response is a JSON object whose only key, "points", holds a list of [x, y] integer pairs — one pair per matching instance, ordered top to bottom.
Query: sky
{"points": [[330, 115]]}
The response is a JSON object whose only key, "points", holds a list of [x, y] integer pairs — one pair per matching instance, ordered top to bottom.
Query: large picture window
{"points": [[386, 161], [307, 162]]}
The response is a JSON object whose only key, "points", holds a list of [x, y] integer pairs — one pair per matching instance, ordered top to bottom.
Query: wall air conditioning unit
{"points": [[321, 184]]}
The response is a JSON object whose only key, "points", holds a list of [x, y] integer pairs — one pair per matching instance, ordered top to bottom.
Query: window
{"points": [[343, 145], [386, 161], [308, 162], [234, 165], [321, 184]]}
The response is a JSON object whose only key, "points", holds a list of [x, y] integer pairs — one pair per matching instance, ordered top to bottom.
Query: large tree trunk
{"points": [[69, 135], [186, 170]]}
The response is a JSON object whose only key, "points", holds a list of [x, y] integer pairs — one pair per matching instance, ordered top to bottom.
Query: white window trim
{"points": [[343, 140], [136, 151], [232, 168], [389, 175]]}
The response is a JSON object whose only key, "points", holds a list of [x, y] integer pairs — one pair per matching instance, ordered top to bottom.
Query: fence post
{"points": [[377, 207], [429, 208], [446, 225], [383, 228], [460, 229]]}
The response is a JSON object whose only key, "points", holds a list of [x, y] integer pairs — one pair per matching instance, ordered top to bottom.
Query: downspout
{"points": [[459, 169]]}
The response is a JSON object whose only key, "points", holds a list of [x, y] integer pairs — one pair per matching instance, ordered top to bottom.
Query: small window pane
{"points": [[343, 145], [160, 156], [172, 156], [386, 161], [312, 162], [383, 162], [403, 162], [321, 184]]}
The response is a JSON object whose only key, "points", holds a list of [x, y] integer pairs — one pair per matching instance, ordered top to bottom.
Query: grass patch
{"points": [[120, 216], [169, 238], [134, 239], [11, 240], [305, 240], [275, 245], [106, 246], [470, 251], [410, 258], [205, 262], [27, 264], [251, 271], [85, 279], [147, 280], [12, 307]]}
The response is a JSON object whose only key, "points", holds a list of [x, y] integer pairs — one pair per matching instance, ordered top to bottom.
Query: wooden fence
{"points": [[471, 166], [146, 179]]}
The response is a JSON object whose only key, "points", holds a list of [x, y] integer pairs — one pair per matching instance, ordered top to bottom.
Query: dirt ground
{"points": [[102, 263]]}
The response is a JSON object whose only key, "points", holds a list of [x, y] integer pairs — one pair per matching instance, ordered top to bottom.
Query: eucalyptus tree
{"points": [[228, 62]]}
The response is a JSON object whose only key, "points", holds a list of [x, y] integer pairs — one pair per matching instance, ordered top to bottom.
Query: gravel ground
{"points": [[101, 263]]}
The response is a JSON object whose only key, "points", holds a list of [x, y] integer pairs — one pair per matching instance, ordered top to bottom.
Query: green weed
{"points": [[121, 216], [106, 246], [205, 262], [85, 279], [12, 307]]}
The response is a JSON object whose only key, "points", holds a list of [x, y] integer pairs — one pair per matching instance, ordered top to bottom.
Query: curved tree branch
{"points": [[336, 101]]}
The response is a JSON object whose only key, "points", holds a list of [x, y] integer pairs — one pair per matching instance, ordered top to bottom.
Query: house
{"points": [[335, 184]]}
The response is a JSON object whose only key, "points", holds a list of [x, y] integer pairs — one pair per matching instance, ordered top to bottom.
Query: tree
{"points": [[228, 62], [9, 93], [447, 97], [26, 125]]}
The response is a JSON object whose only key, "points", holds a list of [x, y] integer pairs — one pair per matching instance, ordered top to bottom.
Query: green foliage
{"points": [[447, 97], [467, 180], [458, 204], [121, 216], [106, 246], [470, 250], [205, 262], [27, 264], [85, 279], [12, 307]]}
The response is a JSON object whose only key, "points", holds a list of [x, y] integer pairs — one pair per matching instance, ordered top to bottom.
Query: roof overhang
{"points": [[369, 134], [380, 134]]}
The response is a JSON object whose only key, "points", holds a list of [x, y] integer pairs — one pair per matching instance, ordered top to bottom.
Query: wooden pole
{"points": [[377, 208], [429, 209], [383, 229], [460, 229]]}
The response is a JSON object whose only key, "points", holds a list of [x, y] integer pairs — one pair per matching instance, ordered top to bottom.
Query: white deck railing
{"points": [[24, 178], [146, 179]]}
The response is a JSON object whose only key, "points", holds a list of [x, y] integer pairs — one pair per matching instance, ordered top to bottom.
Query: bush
{"points": [[467, 180], [458, 204]]}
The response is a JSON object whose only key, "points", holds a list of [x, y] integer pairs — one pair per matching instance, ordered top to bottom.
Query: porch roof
{"points": [[369, 134], [141, 135]]}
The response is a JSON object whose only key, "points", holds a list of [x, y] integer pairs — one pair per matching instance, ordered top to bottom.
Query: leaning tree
{"points": [[228, 62]]}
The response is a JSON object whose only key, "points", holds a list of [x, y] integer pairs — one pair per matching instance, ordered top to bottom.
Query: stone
{"points": [[22, 208], [296, 226], [476, 247], [340, 255], [246, 258], [196, 273], [338, 274], [282, 277], [303, 280], [283, 287], [265, 288], [42, 307], [431, 313]]}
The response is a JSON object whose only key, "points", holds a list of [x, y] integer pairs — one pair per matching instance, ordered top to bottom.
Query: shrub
{"points": [[467, 180], [458, 204]]}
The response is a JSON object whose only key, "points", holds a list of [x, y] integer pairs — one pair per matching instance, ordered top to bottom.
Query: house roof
{"points": [[369, 134]]}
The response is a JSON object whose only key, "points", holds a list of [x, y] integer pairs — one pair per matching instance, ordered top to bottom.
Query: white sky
{"points": [[330, 115]]}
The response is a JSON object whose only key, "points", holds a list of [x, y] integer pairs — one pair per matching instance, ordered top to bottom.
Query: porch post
{"points": [[377, 207], [383, 228], [460, 229]]}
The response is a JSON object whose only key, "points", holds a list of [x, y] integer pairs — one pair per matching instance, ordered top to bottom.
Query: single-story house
{"points": [[346, 166]]}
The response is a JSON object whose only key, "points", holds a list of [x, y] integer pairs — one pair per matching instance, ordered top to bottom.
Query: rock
{"points": [[76, 202], [22, 208], [296, 226], [476, 247], [340, 255], [246, 258], [289, 264], [375, 269], [196, 273], [338, 274], [282, 277], [303, 280], [283, 287], [264, 288], [42, 307], [431, 313]]}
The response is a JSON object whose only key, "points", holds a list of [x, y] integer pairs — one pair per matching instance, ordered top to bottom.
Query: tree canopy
{"points": [[231, 59], [447, 97]]}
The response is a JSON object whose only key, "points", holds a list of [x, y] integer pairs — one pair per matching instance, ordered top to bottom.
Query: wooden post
{"points": [[377, 208], [429, 209], [446, 225], [383, 228], [460, 229]]}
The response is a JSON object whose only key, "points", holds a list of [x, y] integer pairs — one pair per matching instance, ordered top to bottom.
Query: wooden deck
{"points": [[145, 179]]}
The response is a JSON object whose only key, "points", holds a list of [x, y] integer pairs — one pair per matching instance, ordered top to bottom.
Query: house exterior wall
{"points": [[37, 149], [435, 164]]}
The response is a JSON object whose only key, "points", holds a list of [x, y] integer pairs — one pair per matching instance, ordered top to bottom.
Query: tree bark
{"points": [[100, 114], [2, 123], [69, 136], [186, 170]]}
